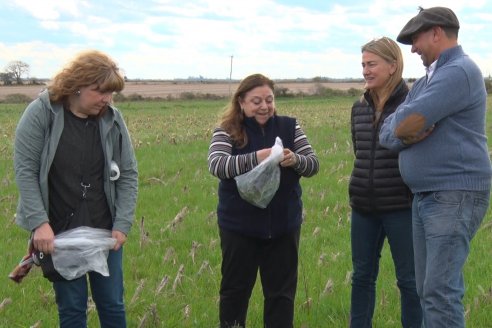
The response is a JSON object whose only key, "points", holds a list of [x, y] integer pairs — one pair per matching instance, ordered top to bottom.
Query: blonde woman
{"points": [[380, 200]]}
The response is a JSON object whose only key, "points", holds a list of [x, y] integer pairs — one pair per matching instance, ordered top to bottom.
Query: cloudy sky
{"points": [[169, 39]]}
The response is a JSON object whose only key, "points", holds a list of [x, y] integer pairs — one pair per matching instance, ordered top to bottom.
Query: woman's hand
{"points": [[262, 154], [290, 158], [43, 238], [120, 239]]}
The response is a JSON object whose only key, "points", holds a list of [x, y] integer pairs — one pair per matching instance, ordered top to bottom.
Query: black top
{"points": [[78, 160], [376, 183]]}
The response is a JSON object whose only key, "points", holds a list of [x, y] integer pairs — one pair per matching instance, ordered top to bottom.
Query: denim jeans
{"points": [[444, 223], [368, 232], [276, 259], [107, 293]]}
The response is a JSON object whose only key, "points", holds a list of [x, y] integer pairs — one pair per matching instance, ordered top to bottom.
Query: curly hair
{"points": [[87, 68], [233, 115]]}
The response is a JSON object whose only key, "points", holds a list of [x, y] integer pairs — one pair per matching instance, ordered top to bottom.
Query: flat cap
{"points": [[425, 19]]}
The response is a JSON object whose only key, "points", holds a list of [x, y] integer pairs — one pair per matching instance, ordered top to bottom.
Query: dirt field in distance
{"points": [[174, 89]]}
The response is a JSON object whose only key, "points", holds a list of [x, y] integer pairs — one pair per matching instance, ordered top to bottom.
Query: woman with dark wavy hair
{"points": [[252, 238]]}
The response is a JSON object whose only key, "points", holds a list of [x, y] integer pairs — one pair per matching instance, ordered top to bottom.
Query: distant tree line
{"points": [[14, 72]]}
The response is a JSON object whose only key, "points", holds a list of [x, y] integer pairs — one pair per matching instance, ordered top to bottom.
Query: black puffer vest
{"points": [[376, 183], [284, 213]]}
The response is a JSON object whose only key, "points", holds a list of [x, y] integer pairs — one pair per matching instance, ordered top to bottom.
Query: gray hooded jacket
{"points": [[36, 141]]}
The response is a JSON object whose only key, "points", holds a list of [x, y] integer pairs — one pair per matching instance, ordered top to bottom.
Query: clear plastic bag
{"points": [[259, 185], [80, 250]]}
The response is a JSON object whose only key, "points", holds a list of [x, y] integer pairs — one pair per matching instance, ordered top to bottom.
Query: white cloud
{"points": [[51, 9], [176, 39], [44, 59]]}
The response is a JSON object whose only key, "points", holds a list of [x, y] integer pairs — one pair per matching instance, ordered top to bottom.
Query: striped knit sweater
{"points": [[224, 165]]}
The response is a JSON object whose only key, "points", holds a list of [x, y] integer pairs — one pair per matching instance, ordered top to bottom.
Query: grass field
{"points": [[172, 257]]}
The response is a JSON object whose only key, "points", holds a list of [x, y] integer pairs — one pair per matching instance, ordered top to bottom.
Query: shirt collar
{"points": [[430, 70]]}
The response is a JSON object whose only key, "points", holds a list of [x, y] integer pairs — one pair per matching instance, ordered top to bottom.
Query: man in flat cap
{"points": [[439, 131]]}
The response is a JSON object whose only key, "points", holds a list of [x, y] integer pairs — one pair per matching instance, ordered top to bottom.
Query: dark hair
{"points": [[451, 32], [233, 116]]}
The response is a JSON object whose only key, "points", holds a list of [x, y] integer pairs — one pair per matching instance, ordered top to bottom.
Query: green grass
{"points": [[175, 227]]}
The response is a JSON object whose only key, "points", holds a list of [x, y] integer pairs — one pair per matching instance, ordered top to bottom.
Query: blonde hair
{"points": [[388, 50], [86, 68], [233, 116]]}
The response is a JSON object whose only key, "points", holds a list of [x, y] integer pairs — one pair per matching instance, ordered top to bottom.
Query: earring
{"points": [[77, 93]]}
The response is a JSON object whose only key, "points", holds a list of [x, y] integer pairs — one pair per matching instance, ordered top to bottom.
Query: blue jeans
{"points": [[444, 223], [368, 232], [107, 293]]}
